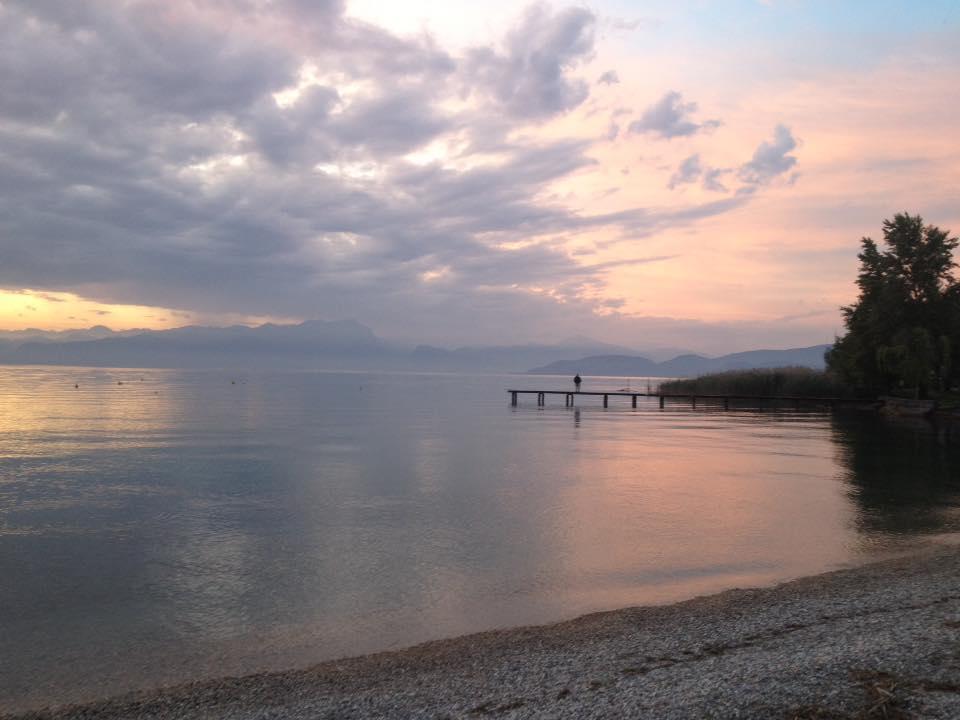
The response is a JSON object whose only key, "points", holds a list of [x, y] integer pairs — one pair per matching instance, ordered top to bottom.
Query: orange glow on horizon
{"points": [[27, 308]]}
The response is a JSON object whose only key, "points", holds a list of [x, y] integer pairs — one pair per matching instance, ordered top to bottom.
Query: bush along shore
{"points": [[903, 331], [903, 334], [782, 382], [800, 382]]}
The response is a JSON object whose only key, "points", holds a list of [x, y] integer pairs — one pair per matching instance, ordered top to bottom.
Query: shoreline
{"points": [[826, 646]]}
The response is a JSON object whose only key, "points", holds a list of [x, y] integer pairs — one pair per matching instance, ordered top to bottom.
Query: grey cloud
{"points": [[311, 9], [620, 23], [374, 52], [141, 57], [610, 77], [529, 78], [669, 117], [394, 122], [294, 133], [770, 159], [133, 171], [689, 171], [712, 179]]}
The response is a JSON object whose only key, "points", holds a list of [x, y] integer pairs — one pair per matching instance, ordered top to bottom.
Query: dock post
{"points": [[513, 398], [570, 398], [541, 399], [693, 399], [605, 401], [634, 401], [661, 402], [726, 403], [796, 404]]}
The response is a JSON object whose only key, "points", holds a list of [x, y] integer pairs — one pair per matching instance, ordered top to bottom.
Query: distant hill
{"points": [[18, 337], [341, 345], [349, 345], [506, 358], [685, 365]]}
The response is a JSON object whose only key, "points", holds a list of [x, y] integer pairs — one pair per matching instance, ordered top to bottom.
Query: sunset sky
{"points": [[686, 174]]}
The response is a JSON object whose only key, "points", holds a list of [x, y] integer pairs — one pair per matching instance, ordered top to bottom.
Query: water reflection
{"points": [[903, 474], [187, 524]]}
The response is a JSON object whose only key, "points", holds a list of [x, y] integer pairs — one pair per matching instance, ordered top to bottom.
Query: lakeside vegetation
{"points": [[904, 328], [903, 331], [785, 381]]}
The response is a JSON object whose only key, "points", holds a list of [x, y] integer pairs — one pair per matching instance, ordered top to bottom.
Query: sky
{"points": [[653, 174]]}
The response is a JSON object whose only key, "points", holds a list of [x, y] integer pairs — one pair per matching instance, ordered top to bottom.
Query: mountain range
{"points": [[349, 345], [685, 365]]}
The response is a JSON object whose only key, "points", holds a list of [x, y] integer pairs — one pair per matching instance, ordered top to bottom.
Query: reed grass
{"points": [[785, 381]]}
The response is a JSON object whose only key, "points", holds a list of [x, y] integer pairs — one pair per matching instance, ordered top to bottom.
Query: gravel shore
{"points": [[877, 641]]}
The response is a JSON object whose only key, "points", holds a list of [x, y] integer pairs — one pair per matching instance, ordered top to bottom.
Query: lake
{"points": [[158, 526]]}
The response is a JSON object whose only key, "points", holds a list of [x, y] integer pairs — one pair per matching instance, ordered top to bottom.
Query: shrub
{"points": [[785, 381]]}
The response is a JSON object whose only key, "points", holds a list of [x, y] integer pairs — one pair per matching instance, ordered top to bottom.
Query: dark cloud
{"points": [[529, 78], [670, 117], [145, 158], [770, 159]]}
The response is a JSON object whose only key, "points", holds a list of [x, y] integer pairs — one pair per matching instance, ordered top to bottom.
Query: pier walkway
{"points": [[570, 396]]}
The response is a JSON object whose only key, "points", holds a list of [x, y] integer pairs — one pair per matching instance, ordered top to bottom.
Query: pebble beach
{"points": [[881, 640]]}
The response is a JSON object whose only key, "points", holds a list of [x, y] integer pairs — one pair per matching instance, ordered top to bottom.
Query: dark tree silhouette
{"points": [[904, 328]]}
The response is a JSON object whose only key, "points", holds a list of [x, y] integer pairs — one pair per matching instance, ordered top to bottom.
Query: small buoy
{"points": [[119, 382], [233, 382], [76, 385]]}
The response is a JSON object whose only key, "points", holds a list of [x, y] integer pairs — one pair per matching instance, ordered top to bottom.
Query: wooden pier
{"points": [[569, 397]]}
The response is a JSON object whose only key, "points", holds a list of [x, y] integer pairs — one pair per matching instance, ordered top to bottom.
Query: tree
{"points": [[904, 326]]}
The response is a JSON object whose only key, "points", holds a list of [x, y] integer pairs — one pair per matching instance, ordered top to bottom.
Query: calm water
{"points": [[178, 525]]}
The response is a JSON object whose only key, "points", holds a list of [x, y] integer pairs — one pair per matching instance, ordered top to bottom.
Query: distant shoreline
{"points": [[838, 642]]}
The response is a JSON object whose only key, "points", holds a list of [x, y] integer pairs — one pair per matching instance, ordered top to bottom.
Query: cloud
{"points": [[628, 24], [610, 77], [528, 78], [669, 117], [282, 159], [770, 159], [693, 169], [689, 171], [712, 179]]}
